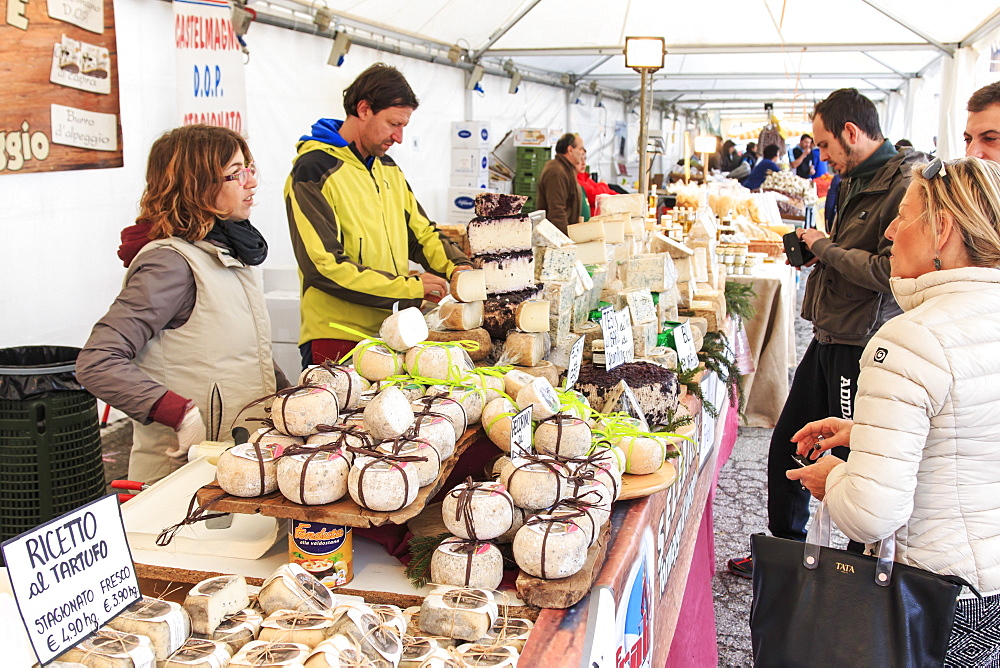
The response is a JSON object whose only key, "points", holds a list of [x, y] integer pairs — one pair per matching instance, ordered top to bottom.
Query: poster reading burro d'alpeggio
{"points": [[59, 85]]}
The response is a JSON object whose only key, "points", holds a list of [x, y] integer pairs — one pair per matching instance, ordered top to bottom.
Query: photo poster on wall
{"points": [[211, 84], [59, 86]]}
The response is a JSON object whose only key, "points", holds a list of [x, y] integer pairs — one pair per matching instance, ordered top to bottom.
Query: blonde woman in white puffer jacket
{"points": [[925, 441]]}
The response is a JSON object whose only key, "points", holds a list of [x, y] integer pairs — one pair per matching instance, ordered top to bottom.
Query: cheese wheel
{"points": [[468, 285], [532, 315], [461, 316], [404, 329], [477, 334], [525, 348], [374, 361], [438, 361], [543, 369], [514, 380], [346, 383], [489, 386], [471, 398], [542, 398], [444, 407], [299, 413], [389, 414], [496, 421], [437, 431], [271, 436], [563, 436], [342, 437], [607, 454], [643, 454], [248, 470], [427, 471], [603, 471], [313, 478], [382, 484], [535, 484], [477, 510], [587, 518], [508, 536], [549, 548], [475, 564], [292, 587], [212, 600], [458, 612], [165, 623], [305, 628], [239, 629], [509, 631], [377, 640], [111, 648], [340, 652], [200, 653], [261, 654], [485, 654]]}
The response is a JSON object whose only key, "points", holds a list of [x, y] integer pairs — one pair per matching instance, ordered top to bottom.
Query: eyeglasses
{"points": [[935, 168], [243, 175]]}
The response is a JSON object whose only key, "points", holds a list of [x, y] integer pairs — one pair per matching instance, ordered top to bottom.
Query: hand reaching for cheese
{"points": [[435, 287], [190, 432]]}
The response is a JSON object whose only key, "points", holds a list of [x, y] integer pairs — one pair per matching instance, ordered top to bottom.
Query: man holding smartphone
{"points": [[847, 296]]}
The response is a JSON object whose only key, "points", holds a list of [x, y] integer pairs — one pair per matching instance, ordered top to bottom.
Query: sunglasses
{"points": [[936, 168], [243, 175]]}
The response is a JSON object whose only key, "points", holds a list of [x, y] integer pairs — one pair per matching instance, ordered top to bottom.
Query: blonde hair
{"points": [[184, 178], [971, 194]]}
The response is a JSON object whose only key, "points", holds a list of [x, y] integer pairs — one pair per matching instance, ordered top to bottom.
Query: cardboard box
{"points": [[471, 134], [533, 137], [459, 180], [461, 206]]}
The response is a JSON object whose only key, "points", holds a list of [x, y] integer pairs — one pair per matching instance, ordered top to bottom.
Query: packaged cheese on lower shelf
{"points": [[210, 601], [458, 612], [165, 623], [112, 649], [199, 653], [259, 654]]}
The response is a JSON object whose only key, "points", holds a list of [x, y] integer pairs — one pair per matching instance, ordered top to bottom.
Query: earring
{"points": [[937, 263]]}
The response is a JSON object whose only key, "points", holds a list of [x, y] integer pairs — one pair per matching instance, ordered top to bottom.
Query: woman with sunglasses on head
{"points": [[186, 344], [925, 441]]}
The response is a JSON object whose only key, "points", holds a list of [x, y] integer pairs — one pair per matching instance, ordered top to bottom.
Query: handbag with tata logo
{"points": [[818, 606]]}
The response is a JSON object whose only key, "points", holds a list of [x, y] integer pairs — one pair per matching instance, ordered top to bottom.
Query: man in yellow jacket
{"points": [[355, 223]]}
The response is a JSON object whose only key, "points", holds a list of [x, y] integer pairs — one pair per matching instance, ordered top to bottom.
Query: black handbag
{"points": [[817, 606]]}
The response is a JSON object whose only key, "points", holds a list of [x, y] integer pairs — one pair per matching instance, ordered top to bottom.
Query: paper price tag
{"points": [[618, 346], [687, 356], [575, 360], [632, 407], [520, 434], [71, 575]]}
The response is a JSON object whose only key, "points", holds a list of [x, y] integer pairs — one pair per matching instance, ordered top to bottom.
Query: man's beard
{"points": [[849, 162]]}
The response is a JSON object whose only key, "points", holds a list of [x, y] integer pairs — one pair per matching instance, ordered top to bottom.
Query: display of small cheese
{"points": [[468, 285], [461, 315], [374, 360], [438, 360], [541, 396], [442, 406], [298, 412], [389, 414], [496, 421], [563, 436], [248, 470], [427, 470], [313, 478], [382, 483], [535, 483], [478, 510], [550, 547], [467, 563], [292, 587], [210, 601], [458, 612], [165, 623], [306, 628], [237, 630], [510, 631], [378, 640], [111, 648], [418, 651], [340, 652], [200, 653], [261, 654], [485, 654]]}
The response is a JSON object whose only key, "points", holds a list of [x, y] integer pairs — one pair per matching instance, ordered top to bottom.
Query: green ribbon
{"points": [[454, 373], [571, 399]]}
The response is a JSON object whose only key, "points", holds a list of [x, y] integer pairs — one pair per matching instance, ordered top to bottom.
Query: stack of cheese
{"points": [[462, 319]]}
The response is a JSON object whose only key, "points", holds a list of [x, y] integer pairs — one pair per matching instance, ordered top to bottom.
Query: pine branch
{"points": [[739, 301], [674, 422], [422, 548]]}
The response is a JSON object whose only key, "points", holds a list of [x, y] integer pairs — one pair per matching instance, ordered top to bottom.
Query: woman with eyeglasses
{"points": [[186, 344], [925, 441]]}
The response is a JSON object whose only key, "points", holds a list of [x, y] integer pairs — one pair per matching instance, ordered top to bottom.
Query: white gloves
{"points": [[191, 431]]}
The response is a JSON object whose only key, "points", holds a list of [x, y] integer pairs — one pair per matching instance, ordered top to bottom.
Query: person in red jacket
{"points": [[591, 188]]}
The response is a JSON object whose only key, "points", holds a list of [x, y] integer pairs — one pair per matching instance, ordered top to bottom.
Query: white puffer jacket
{"points": [[925, 448]]}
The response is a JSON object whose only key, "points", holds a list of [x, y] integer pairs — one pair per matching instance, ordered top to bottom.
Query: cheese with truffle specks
{"points": [[583, 232], [548, 235], [592, 252], [557, 264], [468, 285], [461, 315], [532, 316], [404, 329], [525, 348], [298, 413], [563, 436], [239, 470], [325, 479], [383, 485], [563, 546], [452, 564], [292, 587], [212, 600], [165, 623], [239, 629], [378, 639], [111, 649], [339, 652], [260, 654], [486, 654]]}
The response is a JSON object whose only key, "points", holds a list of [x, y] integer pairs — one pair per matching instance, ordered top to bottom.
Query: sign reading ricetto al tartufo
{"points": [[211, 86], [71, 575]]}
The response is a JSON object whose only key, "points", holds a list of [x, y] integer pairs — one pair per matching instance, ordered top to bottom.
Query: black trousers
{"points": [[824, 385]]}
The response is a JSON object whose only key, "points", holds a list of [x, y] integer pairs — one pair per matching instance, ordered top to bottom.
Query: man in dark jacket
{"points": [[558, 192], [847, 296]]}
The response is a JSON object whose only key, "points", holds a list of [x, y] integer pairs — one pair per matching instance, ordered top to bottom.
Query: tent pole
{"points": [[643, 120]]}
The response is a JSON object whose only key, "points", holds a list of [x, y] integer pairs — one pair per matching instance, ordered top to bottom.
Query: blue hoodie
{"points": [[327, 130]]}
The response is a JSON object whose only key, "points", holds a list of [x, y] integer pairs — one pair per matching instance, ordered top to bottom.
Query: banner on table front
{"points": [[211, 87]]}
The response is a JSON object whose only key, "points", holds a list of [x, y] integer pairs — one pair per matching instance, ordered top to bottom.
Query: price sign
{"points": [[618, 346], [687, 356], [575, 359], [632, 407], [520, 434], [71, 575]]}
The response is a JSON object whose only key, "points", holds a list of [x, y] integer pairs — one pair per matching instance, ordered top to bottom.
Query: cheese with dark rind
{"points": [[210, 601]]}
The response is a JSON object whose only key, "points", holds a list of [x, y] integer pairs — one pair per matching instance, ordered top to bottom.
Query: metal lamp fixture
{"points": [[241, 18], [341, 45], [644, 55], [475, 76], [515, 82]]}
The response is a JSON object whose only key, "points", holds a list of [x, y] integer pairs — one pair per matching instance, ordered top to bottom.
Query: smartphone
{"points": [[796, 251], [802, 461]]}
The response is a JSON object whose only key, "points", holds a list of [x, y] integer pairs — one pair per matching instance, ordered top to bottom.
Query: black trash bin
{"points": [[50, 441]]}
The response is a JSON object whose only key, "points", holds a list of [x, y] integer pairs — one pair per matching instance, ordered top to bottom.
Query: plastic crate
{"points": [[542, 153]]}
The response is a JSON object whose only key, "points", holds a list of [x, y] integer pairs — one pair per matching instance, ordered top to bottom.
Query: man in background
{"points": [[982, 129], [802, 157], [558, 191], [356, 225], [847, 295]]}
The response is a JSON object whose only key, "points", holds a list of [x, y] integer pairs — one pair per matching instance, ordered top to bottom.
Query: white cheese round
{"points": [[404, 329], [437, 360], [471, 398], [542, 398], [299, 413], [389, 414], [271, 436], [643, 454], [248, 470], [313, 478], [382, 484], [477, 510], [550, 548], [465, 564], [454, 612]]}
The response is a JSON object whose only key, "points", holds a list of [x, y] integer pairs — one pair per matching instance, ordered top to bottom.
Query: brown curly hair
{"points": [[184, 178]]}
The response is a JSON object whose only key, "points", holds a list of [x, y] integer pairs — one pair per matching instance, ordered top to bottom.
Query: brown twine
{"points": [[333, 370], [279, 394], [431, 400], [559, 420], [311, 452], [393, 460], [545, 461], [592, 463], [463, 506], [193, 515], [550, 522], [468, 547], [512, 628], [384, 633], [478, 652], [272, 653]]}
